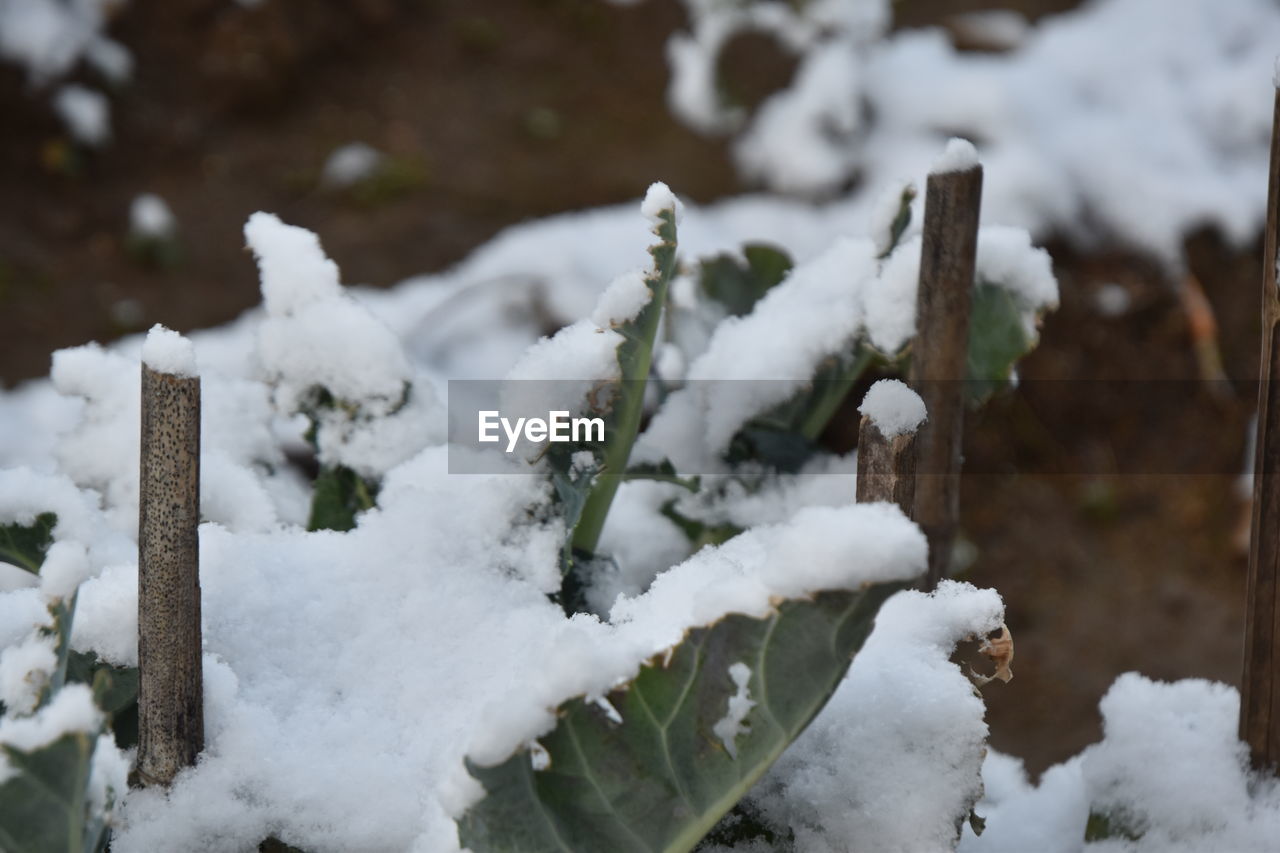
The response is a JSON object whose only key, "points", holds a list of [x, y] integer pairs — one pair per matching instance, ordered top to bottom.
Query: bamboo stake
{"points": [[947, 257], [886, 467], [1260, 687], [170, 690]]}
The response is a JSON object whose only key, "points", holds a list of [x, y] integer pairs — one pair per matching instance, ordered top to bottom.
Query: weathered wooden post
{"points": [[953, 198], [891, 413], [1260, 686], [170, 689]]}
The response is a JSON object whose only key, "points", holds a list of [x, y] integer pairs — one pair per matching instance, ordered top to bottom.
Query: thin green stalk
{"points": [[635, 354]]}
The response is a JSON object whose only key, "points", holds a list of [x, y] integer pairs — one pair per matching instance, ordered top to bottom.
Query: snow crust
{"points": [[166, 351], [893, 407]]}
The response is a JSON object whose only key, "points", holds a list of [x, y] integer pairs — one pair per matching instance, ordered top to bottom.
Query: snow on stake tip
{"points": [[958, 156], [166, 351]]}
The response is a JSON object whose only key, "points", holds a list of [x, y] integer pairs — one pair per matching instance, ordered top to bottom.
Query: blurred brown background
{"points": [[492, 113]]}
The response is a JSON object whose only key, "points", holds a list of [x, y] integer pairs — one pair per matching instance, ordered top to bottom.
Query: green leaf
{"points": [[900, 221], [738, 286], [997, 339], [635, 354], [786, 436], [782, 449], [662, 472], [340, 493], [699, 533], [25, 545], [62, 611], [115, 692], [662, 778], [44, 807], [1101, 827]]}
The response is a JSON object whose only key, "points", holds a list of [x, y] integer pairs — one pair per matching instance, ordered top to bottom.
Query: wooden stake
{"points": [[950, 243], [886, 467], [1260, 686], [170, 690]]}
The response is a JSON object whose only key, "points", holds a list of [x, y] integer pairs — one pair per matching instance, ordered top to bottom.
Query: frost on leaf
{"points": [[728, 727]]}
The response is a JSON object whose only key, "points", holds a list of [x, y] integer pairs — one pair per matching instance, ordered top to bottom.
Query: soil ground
{"points": [[1107, 522]]}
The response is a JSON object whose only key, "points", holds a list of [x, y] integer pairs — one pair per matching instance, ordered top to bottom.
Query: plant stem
{"points": [[635, 354], [1260, 688]]}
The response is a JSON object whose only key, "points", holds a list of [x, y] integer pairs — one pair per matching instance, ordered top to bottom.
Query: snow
{"points": [[49, 37], [1093, 112], [86, 113], [958, 156], [350, 164], [659, 198], [885, 209], [151, 218], [293, 266], [622, 300], [1112, 300], [317, 339], [166, 351], [893, 407], [818, 548], [66, 565], [24, 672], [70, 710], [328, 724], [728, 727], [894, 760], [1168, 769]]}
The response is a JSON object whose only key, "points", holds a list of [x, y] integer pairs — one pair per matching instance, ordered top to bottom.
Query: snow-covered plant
{"points": [[365, 411], [642, 625], [658, 760], [61, 772]]}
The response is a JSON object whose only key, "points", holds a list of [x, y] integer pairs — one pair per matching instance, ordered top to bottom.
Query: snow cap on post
{"points": [[958, 156], [166, 351], [893, 407], [891, 413]]}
